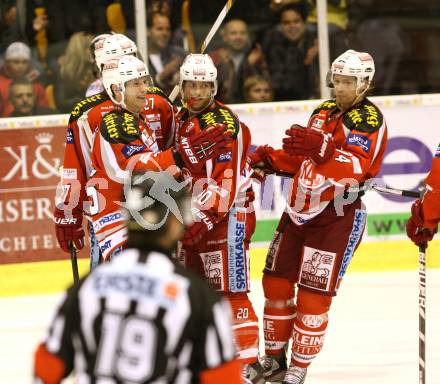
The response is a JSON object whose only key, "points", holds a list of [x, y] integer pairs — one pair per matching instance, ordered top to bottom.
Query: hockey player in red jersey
{"points": [[85, 118], [125, 143], [342, 146], [425, 212], [217, 244], [142, 318]]}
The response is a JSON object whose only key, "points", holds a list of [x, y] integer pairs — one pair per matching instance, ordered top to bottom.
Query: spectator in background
{"points": [[337, 20], [10, 24], [379, 33], [291, 53], [164, 59], [236, 60], [18, 64], [75, 73], [257, 89], [22, 97]]}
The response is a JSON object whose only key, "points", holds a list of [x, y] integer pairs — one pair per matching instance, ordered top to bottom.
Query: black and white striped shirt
{"points": [[141, 319]]}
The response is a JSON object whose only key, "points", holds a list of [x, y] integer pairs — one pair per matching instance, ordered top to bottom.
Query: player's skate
{"points": [[274, 367], [253, 373], [295, 375]]}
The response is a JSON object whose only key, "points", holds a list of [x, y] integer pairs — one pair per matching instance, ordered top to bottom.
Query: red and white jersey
{"points": [[160, 114], [85, 119], [360, 137], [122, 144], [226, 179], [431, 199]]}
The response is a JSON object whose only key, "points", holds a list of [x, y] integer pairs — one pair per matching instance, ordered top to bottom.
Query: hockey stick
{"points": [[208, 38], [366, 187], [393, 191], [74, 261], [422, 308]]}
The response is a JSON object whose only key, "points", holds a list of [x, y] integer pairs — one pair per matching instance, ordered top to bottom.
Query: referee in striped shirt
{"points": [[142, 318]]}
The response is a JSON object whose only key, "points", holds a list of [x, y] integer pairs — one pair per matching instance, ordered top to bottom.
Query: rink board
{"points": [[32, 148], [54, 276]]}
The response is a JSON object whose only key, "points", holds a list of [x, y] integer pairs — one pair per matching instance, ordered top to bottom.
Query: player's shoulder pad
{"points": [[157, 91], [84, 105], [325, 105], [221, 114], [365, 117], [119, 127]]}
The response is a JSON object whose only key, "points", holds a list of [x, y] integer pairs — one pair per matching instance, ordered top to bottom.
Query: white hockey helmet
{"points": [[97, 44], [113, 47], [352, 63], [198, 67], [119, 71]]}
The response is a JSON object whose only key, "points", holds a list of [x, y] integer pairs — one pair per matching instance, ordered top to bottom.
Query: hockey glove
{"points": [[309, 142], [193, 152], [258, 158], [260, 162], [203, 222], [414, 226], [68, 229]]}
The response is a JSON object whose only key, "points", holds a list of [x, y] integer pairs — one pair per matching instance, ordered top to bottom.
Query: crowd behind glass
{"points": [[266, 50]]}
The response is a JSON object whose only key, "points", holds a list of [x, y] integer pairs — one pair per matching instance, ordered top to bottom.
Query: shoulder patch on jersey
{"points": [[157, 91], [86, 104], [326, 105], [221, 115], [364, 118], [119, 127], [69, 138], [359, 141]]}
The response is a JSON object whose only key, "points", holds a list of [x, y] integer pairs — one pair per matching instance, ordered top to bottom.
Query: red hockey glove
{"points": [[309, 142], [208, 144], [258, 158], [260, 162], [203, 222], [414, 226], [68, 229]]}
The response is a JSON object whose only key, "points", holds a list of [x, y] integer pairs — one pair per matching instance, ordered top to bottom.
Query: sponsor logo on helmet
{"points": [[126, 44], [112, 64], [199, 72], [360, 141]]}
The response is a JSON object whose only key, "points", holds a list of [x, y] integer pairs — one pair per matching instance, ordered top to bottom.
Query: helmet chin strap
{"points": [[187, 105]]}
